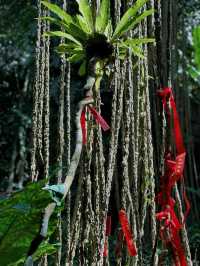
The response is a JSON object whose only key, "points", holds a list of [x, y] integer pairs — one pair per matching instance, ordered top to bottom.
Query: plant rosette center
{"points": [[98, 46]]}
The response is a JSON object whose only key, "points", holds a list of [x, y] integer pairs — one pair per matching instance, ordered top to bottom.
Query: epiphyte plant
{"points": [[87, 36], [91, 41]]}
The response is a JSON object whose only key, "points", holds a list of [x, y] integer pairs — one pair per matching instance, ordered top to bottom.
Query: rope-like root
{"points": [[60, 191]]}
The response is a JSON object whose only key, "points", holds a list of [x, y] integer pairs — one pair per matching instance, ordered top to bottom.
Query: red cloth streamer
{"points": [[166, 95], [99, 119], [83, 127], [177, 129], [108, 225], [170, 225], [127, 233], [169, 233], [105, 251]]}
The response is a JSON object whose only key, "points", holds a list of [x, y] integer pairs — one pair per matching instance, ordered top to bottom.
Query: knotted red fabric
{"points": [[98, 118], [83, 127], [108, 225], [170, 225], [127, 233], [105, 250]]}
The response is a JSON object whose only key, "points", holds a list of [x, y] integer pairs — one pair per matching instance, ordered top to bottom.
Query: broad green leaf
{"points": [[85, 9], [58, 11], [103, 16], [128, 18], [139, 19], [54, 21], [68, 21], [84, 26], [108, 30], [77, 32], [62, 34], [139, 41], [196, 43], [67, 48], [137, 51], [76, 57], [82, 69], [193, 72], [20, 217], [45, 248]]}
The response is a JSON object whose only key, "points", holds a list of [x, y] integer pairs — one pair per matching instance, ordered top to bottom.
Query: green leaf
{"points": [[85, 9], [58, 11], [103, 16], [128, 18], [139, 19], [54, 21], [67, 21], [82, 23], [74, 30], [108, 30], [77, 32], [62, 34], [130, 42], [196, 43], [66, 48], [137, 51], [76, 57], [82, 69], [193, 72], [20, 217], [45, 248]]}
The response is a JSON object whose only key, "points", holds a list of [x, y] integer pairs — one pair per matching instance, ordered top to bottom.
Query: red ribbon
{"points": [[167, 97], [98, 118], [83, 127], [108, 225], [171, 226], [127, 233], [105, 251]]}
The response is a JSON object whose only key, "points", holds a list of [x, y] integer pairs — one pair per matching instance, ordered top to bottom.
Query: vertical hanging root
{"points": [[64, 188]]}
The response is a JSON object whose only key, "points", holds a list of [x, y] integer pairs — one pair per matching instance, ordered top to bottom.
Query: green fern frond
{"points": [[85, 9], [63, 15], [103, 16], [128, 18], [139, 19], [54, 21], [83, 24], [109, 30], [62, 34], [130, 42], [68, 48], [137, 51], [78, 56]]}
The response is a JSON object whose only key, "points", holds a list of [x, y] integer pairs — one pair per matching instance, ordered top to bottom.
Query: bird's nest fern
{"points": [[87, 36]]}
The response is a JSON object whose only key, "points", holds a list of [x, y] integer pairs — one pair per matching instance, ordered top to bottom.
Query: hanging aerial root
{"points": [[59, 191]]}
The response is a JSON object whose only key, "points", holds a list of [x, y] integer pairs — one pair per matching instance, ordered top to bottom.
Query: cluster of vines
{"points": [[124, 169]]}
